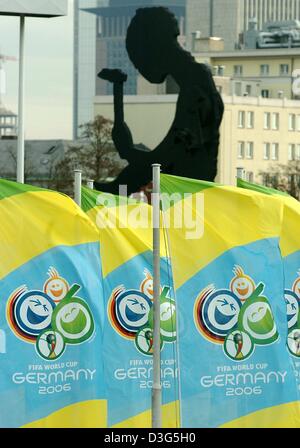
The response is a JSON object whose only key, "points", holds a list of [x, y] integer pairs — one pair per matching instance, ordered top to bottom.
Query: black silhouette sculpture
{"points": [[190, 148]]}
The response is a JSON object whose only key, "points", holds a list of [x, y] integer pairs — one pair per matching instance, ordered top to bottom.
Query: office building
{"points": [[230, 19], [8, 124]]}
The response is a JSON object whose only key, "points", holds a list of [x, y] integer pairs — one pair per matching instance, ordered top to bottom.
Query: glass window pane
{"points": [[241, 150]]}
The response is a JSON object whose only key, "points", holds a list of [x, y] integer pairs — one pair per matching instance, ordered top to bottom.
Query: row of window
{"points": [[284, 70], [246, 119], [271, 121], [270, 151]]}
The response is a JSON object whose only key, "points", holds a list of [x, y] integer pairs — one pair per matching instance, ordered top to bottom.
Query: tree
{"points": [[94, 154], [8, 165], [284, 177]]}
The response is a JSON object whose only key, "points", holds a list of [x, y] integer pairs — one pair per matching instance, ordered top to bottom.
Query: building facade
{"points": [[270, 11], [271, 73], [256, 134], [41, 157]]}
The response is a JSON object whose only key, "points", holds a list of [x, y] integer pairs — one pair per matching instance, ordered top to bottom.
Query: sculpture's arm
{"points": [[121, 134]]}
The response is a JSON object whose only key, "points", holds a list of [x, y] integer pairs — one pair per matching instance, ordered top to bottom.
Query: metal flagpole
{"points": [[21, 129], [77, 186], [156, 389]]}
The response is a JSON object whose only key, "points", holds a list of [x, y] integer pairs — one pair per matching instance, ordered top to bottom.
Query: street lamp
{"points": [[29, 8]]}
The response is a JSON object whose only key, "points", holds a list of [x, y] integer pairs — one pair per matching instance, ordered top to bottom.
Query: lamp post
{"points": [[23, 9]]}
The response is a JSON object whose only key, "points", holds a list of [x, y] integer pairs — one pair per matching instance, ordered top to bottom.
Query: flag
{"points": [[125, 232], [290, 249], [51, 312], [235, 370]]}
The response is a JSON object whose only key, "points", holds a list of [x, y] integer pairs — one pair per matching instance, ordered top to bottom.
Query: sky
{"points": [[49, 74]]}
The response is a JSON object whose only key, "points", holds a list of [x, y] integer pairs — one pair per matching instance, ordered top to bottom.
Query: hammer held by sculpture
{"points": [[190, 148]]}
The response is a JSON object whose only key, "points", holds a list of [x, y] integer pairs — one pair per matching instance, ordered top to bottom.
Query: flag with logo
{"points": [[125, 232], [290, 250], [51, 312], [235, 370]]}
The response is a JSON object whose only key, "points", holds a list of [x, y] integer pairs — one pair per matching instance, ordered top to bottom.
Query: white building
{"points": [[229, 19]]}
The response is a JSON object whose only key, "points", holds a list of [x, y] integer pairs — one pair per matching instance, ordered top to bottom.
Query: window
{"points": [[264, 69], [284, 69], [238, 70], [248, 90], [265, 93], [241, 119], [250, 120], [267, 120], [275, 121], [292, 122], [298, 122], [241, 150], [250, 150], [266, 151], [275, 151], [291, 152], [297, 152], [249, 176]]}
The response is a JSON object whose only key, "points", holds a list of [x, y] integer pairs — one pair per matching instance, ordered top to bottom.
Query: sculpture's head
{"points": [[151, 37]]}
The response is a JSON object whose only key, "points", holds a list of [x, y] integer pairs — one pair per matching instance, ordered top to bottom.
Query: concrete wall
{"points": [[150, 118]]}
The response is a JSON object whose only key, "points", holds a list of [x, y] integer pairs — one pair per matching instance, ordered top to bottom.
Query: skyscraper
{"points": [[100, 28]]}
